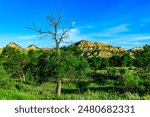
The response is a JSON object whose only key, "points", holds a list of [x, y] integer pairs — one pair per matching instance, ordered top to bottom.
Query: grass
{"points": [[14, 90], [46, 91], [15, 95], [89, 95]]}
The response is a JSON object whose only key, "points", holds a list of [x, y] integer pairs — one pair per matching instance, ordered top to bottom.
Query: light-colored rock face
{"points": [[13, 45], [32, 47], [90, 48], [99, 49], [136, 49]]}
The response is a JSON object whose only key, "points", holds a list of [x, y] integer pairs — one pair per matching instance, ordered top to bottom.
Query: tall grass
{"points": [[15, 95], [88, 95]]}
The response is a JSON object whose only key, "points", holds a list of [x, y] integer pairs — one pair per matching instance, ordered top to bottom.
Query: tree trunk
{"points": [[57, 48], [23, 75], [24, 78], [58, 89]]}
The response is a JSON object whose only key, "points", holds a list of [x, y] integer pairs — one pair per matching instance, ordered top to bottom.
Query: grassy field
{"points": [[90, 89], [46, 91]]}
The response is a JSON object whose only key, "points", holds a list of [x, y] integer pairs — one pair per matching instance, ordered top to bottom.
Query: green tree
{"points": [[77, 51], [143, 58], [127, 60], [115, 61], [14, 62], [95, 62], [105, 62], [142, 62], [64, 66], [31, 67], [5, 81], [130, 81]]}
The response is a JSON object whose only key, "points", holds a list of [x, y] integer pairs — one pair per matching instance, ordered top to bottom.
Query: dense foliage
{"points": [[36, 72]]}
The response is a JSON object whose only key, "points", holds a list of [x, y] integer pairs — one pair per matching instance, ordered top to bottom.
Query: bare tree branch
{"points": [[53, 30], [64, 34]]}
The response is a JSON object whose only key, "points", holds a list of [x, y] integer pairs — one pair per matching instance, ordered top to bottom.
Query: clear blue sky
{"points": [[123, 23]]}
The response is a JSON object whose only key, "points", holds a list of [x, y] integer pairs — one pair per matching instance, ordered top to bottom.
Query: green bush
{"points": [[3, 73], [5, 81], [130, 81], [111, 82], [82, 85], [131, 96]]}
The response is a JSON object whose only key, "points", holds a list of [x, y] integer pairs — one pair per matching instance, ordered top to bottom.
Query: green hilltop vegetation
{"points": [[85, 70]]}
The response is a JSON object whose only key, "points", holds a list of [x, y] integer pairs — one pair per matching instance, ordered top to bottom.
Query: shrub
{"points": [[3, 73], [98, 77], [5, 81], [130, 81], [111, 82], [145, 82], [82, 85], [131, 96]]}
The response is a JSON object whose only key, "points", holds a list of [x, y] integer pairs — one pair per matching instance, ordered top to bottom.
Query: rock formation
{"points": [[32, 47], [89, 48], [99, 49]]}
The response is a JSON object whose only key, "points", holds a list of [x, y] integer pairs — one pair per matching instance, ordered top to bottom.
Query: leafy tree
{"points": [[77, 51], [143, 58], [127, 60], [115, 61], [121, 61], [124, 61], [14, 62], [95, 62], [105, 62], [142, 62], [64, 66], [31, 68], [5, 81], [130, 81]]}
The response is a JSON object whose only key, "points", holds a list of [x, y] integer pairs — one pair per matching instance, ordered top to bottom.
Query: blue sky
{"points": [[124, 23]]}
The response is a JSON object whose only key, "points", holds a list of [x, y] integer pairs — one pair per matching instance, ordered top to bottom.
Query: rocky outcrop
{"points": [[14, 45], [32, 47], [89, 48], [99, 49], [135, 49]]}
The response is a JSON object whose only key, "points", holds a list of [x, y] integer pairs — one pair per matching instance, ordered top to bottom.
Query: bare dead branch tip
{"points": [[52, 30]]}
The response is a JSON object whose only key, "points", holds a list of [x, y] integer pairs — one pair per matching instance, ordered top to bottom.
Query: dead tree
{"points": [[52, 29], [57, 34]]}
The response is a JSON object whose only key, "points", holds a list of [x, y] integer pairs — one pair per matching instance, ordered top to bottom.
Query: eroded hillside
{"points": [[90, 48], [99, 49]]}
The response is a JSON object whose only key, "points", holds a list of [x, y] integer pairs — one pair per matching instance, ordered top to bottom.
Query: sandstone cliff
{"points": [[14, 45], [31, 47], [99, 49]]}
